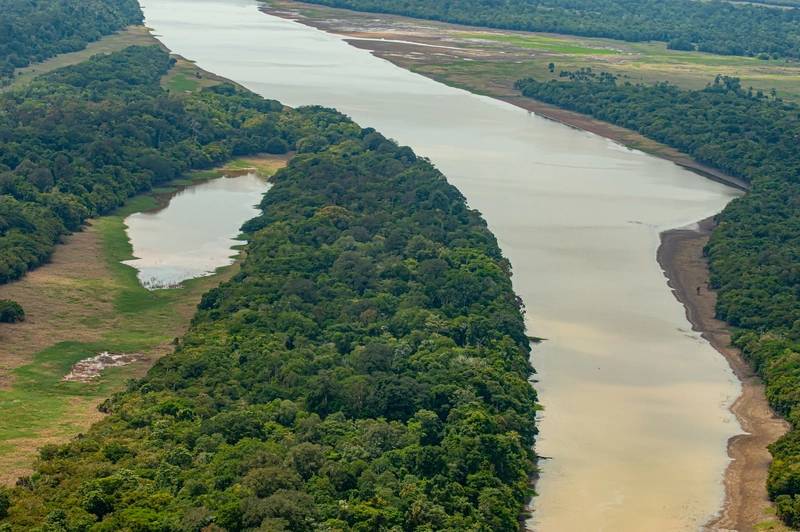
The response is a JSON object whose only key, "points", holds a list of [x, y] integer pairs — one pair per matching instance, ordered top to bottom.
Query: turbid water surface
{"points": [[193, 234], [635, 422]]}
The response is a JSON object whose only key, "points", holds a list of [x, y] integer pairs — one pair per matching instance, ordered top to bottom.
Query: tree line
{"points": [[715, 26], [35, 30], [78, 142], [754, 252], [367, 369]]}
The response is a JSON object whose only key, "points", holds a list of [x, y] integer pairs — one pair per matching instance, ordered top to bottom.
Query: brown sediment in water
{"points": [[394, 38], [680, 254], [746, 503]]}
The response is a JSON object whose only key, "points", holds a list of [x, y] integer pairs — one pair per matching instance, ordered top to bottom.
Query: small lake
{"points": [[193, 234]]}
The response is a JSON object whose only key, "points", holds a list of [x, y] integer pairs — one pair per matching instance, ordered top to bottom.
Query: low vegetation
{"points": [[717, 27], [35, 30], [80, 141], [754, 253], [11, 311]]}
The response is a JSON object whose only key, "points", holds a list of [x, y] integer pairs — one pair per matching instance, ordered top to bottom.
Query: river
{"points": [[192, 235], [635, 422]]}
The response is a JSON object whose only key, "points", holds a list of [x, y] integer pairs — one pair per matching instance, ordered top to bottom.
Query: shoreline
{"points": [[391, 51], [626, 137], [680, 255]]}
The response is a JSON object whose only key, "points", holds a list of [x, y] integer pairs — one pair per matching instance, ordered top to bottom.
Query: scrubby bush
{"points": [[11, 311]]}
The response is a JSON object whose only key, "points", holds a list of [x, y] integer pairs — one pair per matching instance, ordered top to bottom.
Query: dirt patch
{"points": [[264, 165], [63, 300], [91, 368], [746, 502]]}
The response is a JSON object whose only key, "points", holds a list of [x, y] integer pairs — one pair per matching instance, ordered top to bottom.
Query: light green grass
{"points": [[541, 42], [39, 405]]}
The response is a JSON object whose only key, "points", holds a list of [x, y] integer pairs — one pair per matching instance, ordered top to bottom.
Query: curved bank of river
{"points": [[192, 235], [636, 422]]}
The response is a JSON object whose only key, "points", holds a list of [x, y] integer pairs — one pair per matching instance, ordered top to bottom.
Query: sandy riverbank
{"points": [[411, 44], [680, 255], [746, 504]]}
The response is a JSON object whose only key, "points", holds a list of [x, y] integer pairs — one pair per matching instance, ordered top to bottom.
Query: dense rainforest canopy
{"points": [[714, 26], [35, 30], [78, 142], [754, 253], [367, 369]]}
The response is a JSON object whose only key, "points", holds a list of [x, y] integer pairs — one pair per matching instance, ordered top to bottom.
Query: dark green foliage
{"points": [[715, 26], [35, 30], [80, 141], [754, 253], [11, 311], [367, 369], [5, 503]]}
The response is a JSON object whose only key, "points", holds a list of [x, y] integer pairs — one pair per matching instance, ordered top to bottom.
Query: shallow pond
{"points": [[193, 234], [635, 422]]}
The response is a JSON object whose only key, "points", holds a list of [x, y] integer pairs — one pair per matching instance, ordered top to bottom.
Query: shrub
{"points": [[11, 311]]}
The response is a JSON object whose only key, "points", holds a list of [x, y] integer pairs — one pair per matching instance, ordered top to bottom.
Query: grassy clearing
{"points": [[132, 36], [540, 42], [85, 302], [36, 406]]}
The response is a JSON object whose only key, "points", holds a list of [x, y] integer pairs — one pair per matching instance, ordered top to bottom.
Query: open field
{"points": [[132, 36], [480, 59], [186, 77], [82, 303]]}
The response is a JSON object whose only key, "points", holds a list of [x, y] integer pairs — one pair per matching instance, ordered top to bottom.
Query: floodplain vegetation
{"points": [[717, 27], [367, 368]]}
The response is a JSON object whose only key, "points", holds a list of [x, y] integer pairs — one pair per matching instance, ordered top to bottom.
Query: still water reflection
{"points": [[192, 236]]}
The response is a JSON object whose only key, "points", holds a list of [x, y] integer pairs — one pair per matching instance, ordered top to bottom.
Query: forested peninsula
{"points": [[719, 27], [35, 30], [754, 253], [367, 368]]}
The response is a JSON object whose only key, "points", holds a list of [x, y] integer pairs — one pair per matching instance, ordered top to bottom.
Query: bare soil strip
{"points": [[746, 504]]}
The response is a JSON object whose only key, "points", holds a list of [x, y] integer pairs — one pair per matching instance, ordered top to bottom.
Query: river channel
{"points": [[635, 421]]}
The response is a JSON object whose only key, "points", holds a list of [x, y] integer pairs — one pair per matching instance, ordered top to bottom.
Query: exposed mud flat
{"points": [[90, 369], [746, 502]]}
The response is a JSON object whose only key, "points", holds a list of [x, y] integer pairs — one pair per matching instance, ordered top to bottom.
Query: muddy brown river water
{"points": [[636, 421]]}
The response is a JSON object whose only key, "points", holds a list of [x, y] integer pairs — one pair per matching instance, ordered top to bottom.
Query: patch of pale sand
{"points": [[63, 300], [91, 368]]}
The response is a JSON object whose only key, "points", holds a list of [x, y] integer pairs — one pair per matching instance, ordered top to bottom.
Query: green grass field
{"points": [[132, 36], [540, 42], [38, 407]]}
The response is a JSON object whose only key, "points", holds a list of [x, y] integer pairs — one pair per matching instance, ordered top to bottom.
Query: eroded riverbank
{"points": [[408, 44], [635, 402], [746, 501]]}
